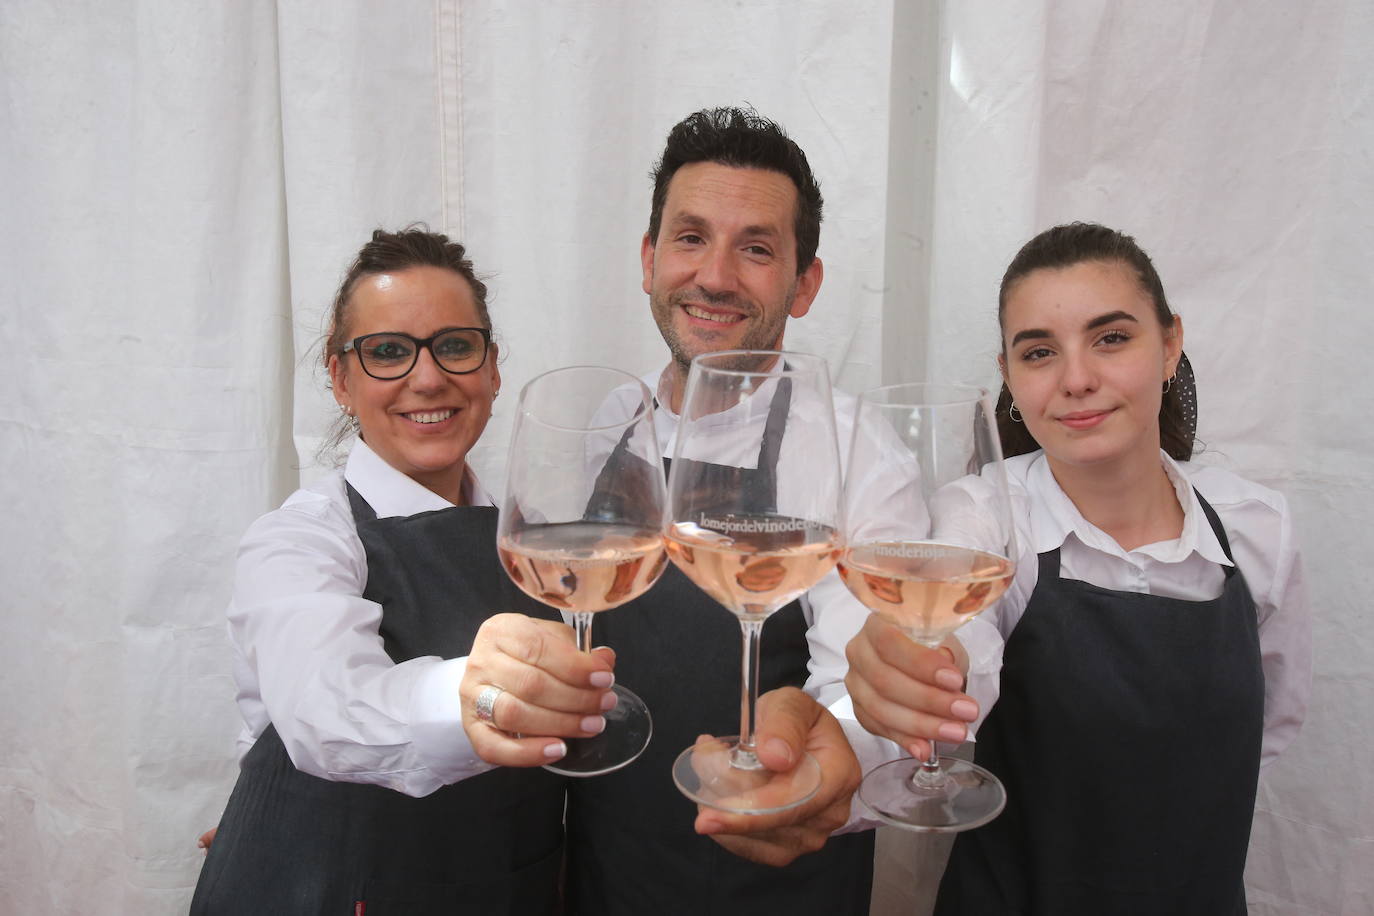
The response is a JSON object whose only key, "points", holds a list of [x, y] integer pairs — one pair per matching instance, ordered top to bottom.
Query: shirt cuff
{"points": [[436, 724], [872, 751]]}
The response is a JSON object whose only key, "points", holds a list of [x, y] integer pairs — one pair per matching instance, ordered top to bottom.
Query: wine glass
{"points": [[581, 525], [750, 544], [929, 544]]}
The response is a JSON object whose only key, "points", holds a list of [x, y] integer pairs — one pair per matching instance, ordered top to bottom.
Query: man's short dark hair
{"points": [[741, 138]]}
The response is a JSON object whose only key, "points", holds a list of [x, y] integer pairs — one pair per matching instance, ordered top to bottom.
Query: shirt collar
{"points": [[663, 391], [718, 440], [391, 493], [1054, 517]]}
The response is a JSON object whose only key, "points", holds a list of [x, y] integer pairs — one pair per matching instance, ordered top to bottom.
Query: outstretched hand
{"points": [[550, 690], [905, 691], [790, 723]]}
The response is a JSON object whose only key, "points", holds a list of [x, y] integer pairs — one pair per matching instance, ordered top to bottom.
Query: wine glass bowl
{"points": [[580, 528], [747, 539], [930, 544], [748, 568], [925, 589]]}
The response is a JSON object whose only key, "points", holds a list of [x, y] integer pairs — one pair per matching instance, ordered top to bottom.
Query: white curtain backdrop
{"points": [[182, 186]]}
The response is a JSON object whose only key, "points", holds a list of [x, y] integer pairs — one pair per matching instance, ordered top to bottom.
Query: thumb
{"points": [[785, 719]]}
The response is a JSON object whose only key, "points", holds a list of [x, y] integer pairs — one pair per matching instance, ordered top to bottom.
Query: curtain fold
{"points": [[147, 351]]}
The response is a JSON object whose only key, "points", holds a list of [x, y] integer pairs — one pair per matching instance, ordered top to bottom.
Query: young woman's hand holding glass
{"points": [[929, 544]]}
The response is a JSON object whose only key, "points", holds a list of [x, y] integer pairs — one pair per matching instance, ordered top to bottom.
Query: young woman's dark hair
{"points": [[741, 138], [1076, 243], [414, 246]]}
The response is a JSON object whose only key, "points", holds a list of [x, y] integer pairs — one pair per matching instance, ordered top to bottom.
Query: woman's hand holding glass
{"points": [[581, 531], [929, 544], [550, 689], [906, 692]]}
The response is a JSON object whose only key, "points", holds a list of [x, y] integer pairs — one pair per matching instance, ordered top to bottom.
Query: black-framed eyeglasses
{"points": [[391, 354]]}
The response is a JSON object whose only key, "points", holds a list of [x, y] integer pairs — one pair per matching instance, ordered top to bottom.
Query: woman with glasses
{"points": [[379, 773]]}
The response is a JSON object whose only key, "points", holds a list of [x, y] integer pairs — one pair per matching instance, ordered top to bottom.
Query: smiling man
{"points": [[731, 249], [729, 256]]}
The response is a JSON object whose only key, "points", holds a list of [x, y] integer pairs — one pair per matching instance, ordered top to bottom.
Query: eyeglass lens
{"points": [[393, 355]]}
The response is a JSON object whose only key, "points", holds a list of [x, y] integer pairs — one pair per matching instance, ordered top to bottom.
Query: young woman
{"points": [[1157, 632], [368, 644]]}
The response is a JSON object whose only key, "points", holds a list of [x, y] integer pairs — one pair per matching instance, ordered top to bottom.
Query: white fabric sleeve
{"points": [[1285, 636], [343, 709], [436, 716]]}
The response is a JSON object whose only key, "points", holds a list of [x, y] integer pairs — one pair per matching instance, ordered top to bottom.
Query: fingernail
{"points": [[602, 679], [950, 679], [609, 701], [964, 709], [594, 724], [951, 731], [780, 748], [555, 750]]}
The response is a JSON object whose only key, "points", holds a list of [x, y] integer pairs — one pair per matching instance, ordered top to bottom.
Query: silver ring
{"points": [[485, 707]]}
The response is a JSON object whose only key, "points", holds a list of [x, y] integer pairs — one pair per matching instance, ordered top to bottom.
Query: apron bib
{"points": [[1128, 737], [290, 842]]}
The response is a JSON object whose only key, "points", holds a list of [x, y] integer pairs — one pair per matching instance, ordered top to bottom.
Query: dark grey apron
{"points": [[1128, 736], [491, 844], [632, 850]]}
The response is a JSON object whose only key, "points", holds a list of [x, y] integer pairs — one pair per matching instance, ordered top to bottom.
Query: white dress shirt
{"points": [[1260, 531], [308, 657]]}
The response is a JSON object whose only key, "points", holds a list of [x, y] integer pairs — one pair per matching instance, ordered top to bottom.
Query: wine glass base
{"points": [[628, 729], [706, 775], [970, 796]]}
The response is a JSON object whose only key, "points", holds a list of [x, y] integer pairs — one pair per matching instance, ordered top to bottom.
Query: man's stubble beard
{"points": [[761, 337]]}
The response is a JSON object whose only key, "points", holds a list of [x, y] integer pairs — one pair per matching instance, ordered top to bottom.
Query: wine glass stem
{"points": [[582, 627], [743, 755], [930, 775]]}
